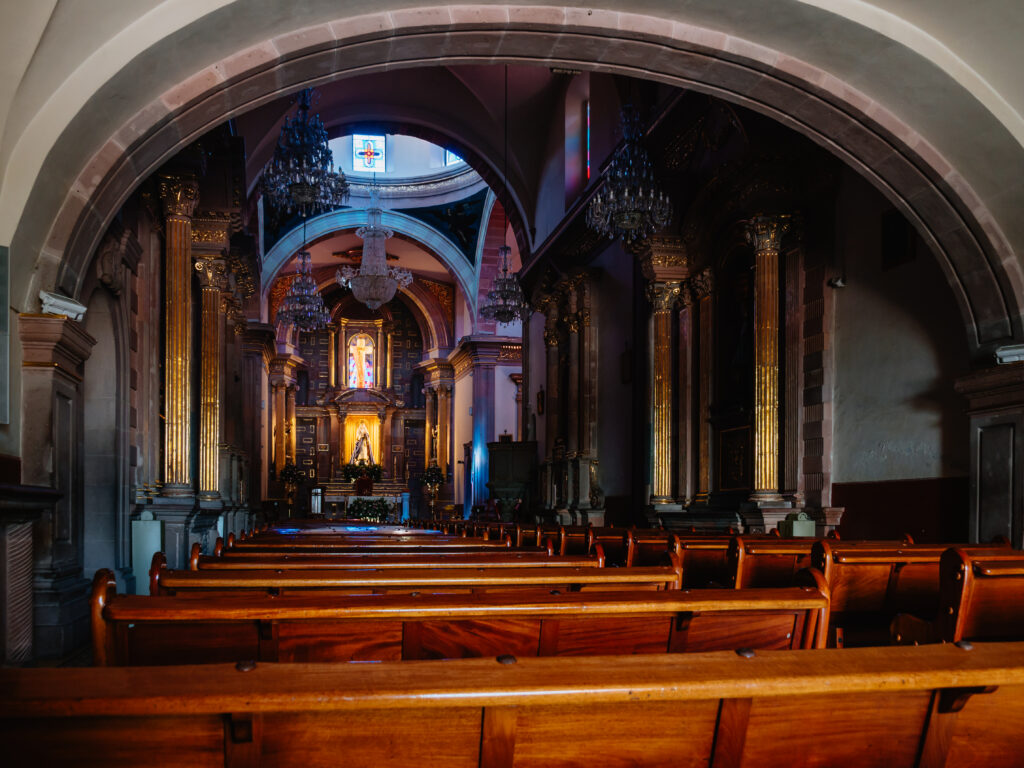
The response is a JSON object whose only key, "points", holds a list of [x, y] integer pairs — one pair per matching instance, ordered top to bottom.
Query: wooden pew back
{"points": [[981, 595], [932, 706]]}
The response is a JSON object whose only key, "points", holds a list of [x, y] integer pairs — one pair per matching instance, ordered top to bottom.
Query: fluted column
{"points": [[179, 195], [765, 234], [212, 273], [703, 290], [663, 297], [332, 355], [389, 382], [444, 415], [289, 422], [431, 422], [280, 440]]}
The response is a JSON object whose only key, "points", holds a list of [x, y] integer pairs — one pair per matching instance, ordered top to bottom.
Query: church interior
{"points": [[679, 347]]}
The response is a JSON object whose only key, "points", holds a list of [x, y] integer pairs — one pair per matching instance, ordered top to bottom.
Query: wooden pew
{"points": [[380, 545], [414, 559], [766, 563], [404, 580], [870, 582], [981, 598], [137, 630], [895, 707]]}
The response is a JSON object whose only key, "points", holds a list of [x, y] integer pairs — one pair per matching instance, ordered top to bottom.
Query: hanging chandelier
{"points": [[300, 177], [629, 205], [374, 283], [505, 302], [303, 306]]}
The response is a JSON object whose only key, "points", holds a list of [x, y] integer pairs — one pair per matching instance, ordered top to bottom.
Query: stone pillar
{"points": [[179, 195], [765, 234], [212, 278], [703, 291], [663, 297], [54, 351], [257, 352], [517, 379], [551, 396], [995, 404], [444, 417], [431, 422]]}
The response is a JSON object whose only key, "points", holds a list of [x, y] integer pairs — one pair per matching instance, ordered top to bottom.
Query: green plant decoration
{"points": [[352, 472], [372, 510]]}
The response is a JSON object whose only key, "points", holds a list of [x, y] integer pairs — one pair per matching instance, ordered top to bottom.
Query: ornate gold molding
{"points": [[179, 195], [211, 228], [765, 233], [212, 272], [663, 295]]}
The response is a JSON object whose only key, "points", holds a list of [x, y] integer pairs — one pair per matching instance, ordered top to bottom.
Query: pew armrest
{"points": [[907, 629]]}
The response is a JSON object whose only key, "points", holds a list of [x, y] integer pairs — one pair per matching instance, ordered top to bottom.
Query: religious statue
{"points": [[360, 360], [362, 451]]}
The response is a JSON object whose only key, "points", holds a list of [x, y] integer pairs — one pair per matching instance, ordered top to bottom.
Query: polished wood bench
{"points": [[323, 543], [236, 560], [402, 580], [871, 582], [981, 598], [139, 630], [895, 707]]}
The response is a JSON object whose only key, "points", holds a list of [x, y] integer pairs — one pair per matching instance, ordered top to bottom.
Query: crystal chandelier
{"points": [[300, 177], [629, 205], [374, 283], [505, 302], [303, 306]]}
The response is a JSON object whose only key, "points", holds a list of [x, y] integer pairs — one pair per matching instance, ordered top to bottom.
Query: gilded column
{"points": [[179, 195], [765, 234], [212, 277], [703, 290], [663, 297], [343, 352], [389, 353], [332, 355], [378, 358], [444, 415], [289, 422], [280, 436], [428, 445]]}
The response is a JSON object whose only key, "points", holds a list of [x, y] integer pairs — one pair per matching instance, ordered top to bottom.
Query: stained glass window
{"points": [[368, 153], [450, 158], [360, 362]]}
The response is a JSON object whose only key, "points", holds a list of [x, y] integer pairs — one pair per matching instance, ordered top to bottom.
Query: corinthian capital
{"points": [[179, 194], [765, 232], [212, 272], [663, 295]]}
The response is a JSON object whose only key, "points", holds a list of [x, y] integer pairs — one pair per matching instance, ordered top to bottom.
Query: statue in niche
{"points": [[360, 362], [361, 451]]}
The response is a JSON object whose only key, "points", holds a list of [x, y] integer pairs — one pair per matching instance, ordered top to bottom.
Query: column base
{"points": [[659, 511], [701, 519], [763, 519], [826, 519], [61, 615]]}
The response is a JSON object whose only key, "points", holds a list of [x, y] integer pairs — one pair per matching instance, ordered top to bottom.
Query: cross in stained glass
{"points": [[368, 153]]}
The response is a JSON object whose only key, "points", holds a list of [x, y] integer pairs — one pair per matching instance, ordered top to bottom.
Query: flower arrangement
{"points": [[352, 472], [290, 474], [432, 476], [372, 510]]}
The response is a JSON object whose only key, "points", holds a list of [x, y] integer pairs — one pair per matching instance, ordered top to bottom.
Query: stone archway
{"points": [[960, 227]]}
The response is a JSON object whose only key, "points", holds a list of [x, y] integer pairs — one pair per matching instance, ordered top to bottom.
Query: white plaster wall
{"points": [[463, 316], [899, 344], [615, 397], [504, 401], [462, 432]]}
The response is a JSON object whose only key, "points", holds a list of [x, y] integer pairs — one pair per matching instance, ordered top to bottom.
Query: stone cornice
{"points": [[54, 342], [484, 350], [993, 389]]}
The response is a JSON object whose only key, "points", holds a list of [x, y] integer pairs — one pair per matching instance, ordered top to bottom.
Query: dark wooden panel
{"points": [[996, 478], [932, 509], [742, 630], [579, 637], [467, 639], [340, 641], [158, 643], [854, 730], [988, 732], [678, 734], [445, 738], [104, 742]]}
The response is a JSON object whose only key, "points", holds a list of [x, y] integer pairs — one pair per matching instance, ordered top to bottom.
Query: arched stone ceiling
{"points": [[928, 108]]}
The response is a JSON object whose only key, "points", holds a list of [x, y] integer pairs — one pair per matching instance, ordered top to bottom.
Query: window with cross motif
{"points": [[369, 153], [360, 361]]}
